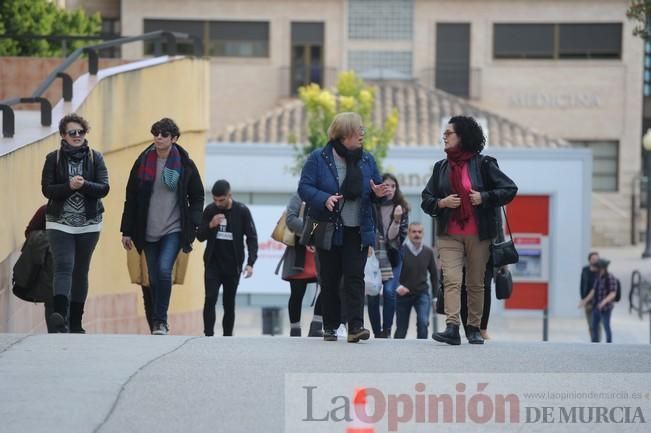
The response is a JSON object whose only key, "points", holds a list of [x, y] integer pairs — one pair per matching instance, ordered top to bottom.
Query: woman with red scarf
{"points": [[465, 193]]}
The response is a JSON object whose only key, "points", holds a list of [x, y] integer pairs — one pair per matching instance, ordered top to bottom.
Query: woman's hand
{"points": [[76, 182], [379, 190], [475, 197], [452, 201], [331, 202], [397, 214], [127, 243]]}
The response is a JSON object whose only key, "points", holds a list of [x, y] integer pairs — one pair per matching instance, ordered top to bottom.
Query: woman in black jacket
{"points": [[74, 180], [463, 193], [162, 211]]}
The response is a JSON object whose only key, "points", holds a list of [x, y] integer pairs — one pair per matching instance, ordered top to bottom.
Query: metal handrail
{"points": [[170, 38]]}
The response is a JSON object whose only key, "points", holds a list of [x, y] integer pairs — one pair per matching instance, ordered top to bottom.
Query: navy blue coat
{"points": [[319, 180]]}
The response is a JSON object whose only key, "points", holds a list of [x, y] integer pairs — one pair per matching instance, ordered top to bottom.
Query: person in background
{"points": [[74, 181], [162, 211], [392, 220], [37, 224], [224, 224], [300, 269], [589, 274], [413, 291], [602, 295]]}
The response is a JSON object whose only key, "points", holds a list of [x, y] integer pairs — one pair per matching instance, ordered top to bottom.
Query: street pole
{"points": [[646, 144]]}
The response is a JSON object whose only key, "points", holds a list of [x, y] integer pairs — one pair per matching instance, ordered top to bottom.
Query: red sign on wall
{"points": [[529, 214]]}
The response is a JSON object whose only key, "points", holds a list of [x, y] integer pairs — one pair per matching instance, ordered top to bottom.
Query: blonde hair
{"points": [[344, 125]]}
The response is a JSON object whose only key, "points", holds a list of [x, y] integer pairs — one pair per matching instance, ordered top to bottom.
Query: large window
{"points": [[380, 19], [219, 38], [238, 39], [557, 41], [605, 162]]}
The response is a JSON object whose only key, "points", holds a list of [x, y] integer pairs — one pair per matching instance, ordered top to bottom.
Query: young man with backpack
{"points": [[603, 296]]}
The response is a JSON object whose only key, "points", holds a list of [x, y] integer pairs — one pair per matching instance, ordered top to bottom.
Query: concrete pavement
{"points": [[122, 383]]}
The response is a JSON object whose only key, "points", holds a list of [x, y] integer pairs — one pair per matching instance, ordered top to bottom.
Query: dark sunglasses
{"points": [[76, 132], [163, 134]]}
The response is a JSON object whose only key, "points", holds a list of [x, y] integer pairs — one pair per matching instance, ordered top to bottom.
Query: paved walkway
{"points": [[120, 383]]}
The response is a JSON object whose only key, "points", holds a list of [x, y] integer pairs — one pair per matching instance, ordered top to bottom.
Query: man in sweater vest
{"points": [[413, 291]]}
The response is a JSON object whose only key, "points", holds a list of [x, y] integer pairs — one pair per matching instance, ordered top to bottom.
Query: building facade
{"points": [[569, 69]]}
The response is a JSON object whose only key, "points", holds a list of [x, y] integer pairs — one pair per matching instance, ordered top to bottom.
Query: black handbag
{"points": [[318, 234], [504, 253], [503, 284]]}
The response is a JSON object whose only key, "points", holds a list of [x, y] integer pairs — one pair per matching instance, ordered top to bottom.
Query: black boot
{"points": [[76, 313], [59, 319], [316, 329], [294, 332], [473, 335], [449, 336]]}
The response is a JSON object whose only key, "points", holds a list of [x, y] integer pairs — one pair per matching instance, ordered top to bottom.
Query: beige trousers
{"points": [[456, 251]]}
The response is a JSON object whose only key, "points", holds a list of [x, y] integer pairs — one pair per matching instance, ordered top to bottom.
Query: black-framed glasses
{"points": [[76, 132], [448, 133], [163, 134]]}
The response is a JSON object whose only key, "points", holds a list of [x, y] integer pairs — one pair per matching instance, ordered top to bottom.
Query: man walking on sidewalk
{"points": [[225, 223], [418, 260], [588, 276]]}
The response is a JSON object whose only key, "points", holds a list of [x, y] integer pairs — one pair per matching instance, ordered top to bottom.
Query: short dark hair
{"points": [[72, 117], [166, 125], [469, 132], [221, 188], [592, 253]]}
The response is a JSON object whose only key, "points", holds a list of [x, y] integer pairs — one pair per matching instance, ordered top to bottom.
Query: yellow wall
{"points": [[120, 109]]}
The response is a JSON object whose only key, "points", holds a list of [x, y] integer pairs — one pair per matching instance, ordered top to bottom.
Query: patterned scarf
{"points": [[457, 160], [171, 171]]}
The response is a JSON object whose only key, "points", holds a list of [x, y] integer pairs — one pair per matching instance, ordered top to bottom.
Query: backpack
{"points": [[618, 294]]}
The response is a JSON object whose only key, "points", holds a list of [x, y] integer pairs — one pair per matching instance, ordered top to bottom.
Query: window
{"points": [[380, 19], [192, 28], [219, 38], [238, 39], [523, 41], [557, 41], [590, 41], [378, 65], [605, 162]]}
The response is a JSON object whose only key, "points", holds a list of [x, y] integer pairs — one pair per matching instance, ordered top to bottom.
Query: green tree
{"points": [[639, 11], [42, 17], [352, 94]]}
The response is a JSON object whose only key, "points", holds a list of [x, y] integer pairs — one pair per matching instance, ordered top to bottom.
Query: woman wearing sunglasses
{"points": [[74, 181], [162, 211]]}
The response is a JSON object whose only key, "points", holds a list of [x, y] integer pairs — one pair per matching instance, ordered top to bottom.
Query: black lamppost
{"points": [[646, 144]]}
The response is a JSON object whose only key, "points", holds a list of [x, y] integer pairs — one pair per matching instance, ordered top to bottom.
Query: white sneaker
{"points": [[342, 332]]}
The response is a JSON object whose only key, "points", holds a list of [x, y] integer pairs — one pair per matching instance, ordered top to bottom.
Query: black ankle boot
{"points": [[76, 314], [59, 319], [316, 329], [473, 335], [449, 336]]}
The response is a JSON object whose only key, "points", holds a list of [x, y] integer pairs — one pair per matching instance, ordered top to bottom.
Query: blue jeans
{"points": [[160, 261], [421, 303], [388, 304], [601, 316]]}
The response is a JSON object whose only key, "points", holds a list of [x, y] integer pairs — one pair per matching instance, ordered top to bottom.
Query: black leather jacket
{"points": [[55, 183], [496, 189]]}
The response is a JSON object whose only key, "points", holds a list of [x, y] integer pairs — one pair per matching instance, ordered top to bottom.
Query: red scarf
{"points": [[457, 160]]}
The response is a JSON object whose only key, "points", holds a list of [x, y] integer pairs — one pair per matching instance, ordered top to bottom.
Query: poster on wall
{"points": [[264, 281]]}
